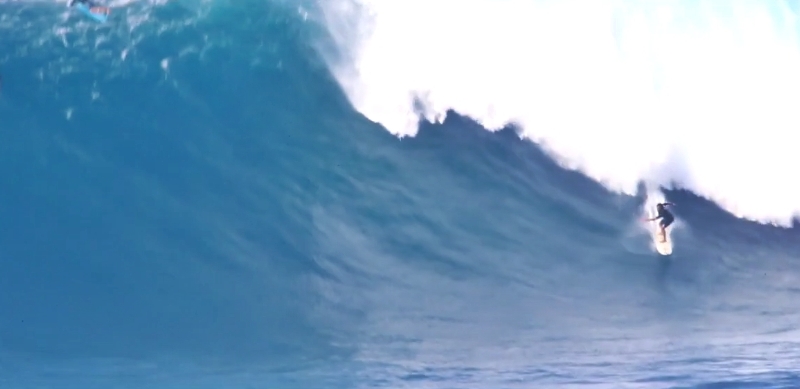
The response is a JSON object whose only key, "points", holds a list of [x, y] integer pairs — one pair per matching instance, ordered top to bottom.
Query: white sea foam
{"points": [[705, 94]]}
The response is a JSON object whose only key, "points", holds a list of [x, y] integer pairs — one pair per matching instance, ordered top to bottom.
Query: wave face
{"points": [[205, 195]]}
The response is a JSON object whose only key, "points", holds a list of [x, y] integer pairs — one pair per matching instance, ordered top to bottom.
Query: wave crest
{"points": [[699, 95]]}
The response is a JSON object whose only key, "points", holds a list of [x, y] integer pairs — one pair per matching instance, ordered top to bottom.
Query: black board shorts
{"points": [[667, 220]]}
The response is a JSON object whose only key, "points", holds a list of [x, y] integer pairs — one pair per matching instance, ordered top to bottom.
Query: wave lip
{"points": [[699, 95]]}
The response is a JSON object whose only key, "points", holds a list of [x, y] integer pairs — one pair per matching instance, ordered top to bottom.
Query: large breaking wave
{"points": [[701, 95]]}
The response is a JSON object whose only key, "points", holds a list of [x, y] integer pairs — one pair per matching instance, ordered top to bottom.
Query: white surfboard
{"points": [[663, 247]]}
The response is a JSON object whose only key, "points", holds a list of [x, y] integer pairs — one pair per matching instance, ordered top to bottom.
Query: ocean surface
{"points": [[399, 194]]}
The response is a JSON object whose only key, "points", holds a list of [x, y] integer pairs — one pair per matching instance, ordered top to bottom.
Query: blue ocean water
{"points": [[190, 201]]}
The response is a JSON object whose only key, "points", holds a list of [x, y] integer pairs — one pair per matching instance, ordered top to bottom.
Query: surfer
{"points": [[93, 7], [666, 218]]}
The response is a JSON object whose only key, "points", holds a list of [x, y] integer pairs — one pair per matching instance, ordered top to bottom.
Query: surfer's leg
{"points": [[663, 226]]}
